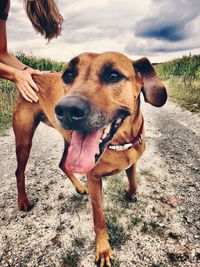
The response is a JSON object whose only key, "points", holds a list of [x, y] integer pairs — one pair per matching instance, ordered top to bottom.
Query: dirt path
{"points": [[163, 226]]}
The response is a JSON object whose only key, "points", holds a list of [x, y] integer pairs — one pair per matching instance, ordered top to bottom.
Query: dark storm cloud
{"points": [[172, 21], [171, 26], [170, 31], [168, 48]]}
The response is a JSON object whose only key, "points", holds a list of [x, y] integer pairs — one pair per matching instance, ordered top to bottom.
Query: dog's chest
{"points": [[113, 162]]}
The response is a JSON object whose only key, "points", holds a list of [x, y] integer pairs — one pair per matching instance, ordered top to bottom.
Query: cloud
{"points": [[95, 20], [172, 21], [172, 26], [150, 27], [153, 29], [150, 47]]}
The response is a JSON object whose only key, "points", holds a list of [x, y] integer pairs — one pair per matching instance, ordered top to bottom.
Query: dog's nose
{"points": [[71, 111]]}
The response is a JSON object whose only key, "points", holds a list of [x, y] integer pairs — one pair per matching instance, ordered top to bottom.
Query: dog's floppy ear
{"points": [[153, 89]]}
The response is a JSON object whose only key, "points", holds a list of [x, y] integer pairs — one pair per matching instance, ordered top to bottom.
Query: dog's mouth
{"points": [[86, 148]]}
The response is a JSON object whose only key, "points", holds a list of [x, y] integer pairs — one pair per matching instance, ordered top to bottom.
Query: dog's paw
{"points": [[82, 190], [131, 196], [25, 204], [103, 252], [104, 258]]}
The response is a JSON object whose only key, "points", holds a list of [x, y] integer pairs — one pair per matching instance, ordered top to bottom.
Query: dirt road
{"points": [[163, 226]]}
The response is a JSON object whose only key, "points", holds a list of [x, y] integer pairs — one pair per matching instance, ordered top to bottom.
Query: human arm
{"points": [[12, 69], [23, 80]]}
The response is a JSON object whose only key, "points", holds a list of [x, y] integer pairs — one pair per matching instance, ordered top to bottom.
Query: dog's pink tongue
{"points": [[82, 151]]}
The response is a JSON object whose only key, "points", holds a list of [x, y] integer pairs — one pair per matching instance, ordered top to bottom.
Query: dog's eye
{"points": [[68, 76], [113, 77]]}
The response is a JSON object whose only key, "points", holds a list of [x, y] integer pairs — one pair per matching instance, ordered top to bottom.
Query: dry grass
{"points": [[8, 93], [186, 95]]}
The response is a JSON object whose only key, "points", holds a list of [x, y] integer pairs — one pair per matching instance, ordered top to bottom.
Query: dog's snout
{"points": [[71, 111]]}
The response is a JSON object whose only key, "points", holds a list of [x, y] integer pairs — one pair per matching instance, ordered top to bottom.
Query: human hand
{"points": [[25, 83]]}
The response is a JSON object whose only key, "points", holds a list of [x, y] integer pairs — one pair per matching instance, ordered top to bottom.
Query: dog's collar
{"points": [[126, 146]]}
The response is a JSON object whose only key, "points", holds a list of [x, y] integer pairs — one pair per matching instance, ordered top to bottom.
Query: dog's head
{"points": [[101, 91]]}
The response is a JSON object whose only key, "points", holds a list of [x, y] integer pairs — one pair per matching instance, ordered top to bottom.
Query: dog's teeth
{"points": [[118, 120], [107, 129], [104, 136]]}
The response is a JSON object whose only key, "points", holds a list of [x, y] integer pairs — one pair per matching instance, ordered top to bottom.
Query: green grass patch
{"points": [[40, 63], [182, 79], [8, 93], [186, 95], [116, 191], [117, 210], [134, 221], [145, 228], [117, 233], [78, 241], [71, 258], [116, 262]]}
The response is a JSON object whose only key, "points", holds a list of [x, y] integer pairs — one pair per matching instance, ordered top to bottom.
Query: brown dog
{"points": [[95, 105]]}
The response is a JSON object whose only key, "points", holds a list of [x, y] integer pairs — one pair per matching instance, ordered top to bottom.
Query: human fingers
{"points": [[34, 71], [25, 83], [32, 84], [28, 90], [22, 91]]}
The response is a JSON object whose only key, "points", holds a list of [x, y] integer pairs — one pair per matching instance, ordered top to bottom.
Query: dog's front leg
{"points": [[24, 125], [80, 188], [131, 191], [103, 249]]}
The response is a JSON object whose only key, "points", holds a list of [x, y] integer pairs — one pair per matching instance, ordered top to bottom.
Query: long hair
{"points": [[3, 4], [45, 17]]}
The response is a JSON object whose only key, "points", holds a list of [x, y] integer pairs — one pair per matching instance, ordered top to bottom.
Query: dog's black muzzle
{"points": [[72, 112], [76, 113]]}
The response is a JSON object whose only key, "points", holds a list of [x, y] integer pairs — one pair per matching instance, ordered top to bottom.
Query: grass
{"points": [[182, 79], [8, 94], [186, 95], [116, 191], [78, 202], [117, 210], [134, 221], [145, 228], [119, 230], [116, 231], [78, 241], [176, 257], [71, 258], [116, 262], [159, 264]]}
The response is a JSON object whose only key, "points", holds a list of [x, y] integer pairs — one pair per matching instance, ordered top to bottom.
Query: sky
{"points": [[158, 29]]}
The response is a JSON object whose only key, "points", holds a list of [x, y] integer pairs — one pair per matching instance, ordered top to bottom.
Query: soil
{"points": [[168, 208]]}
